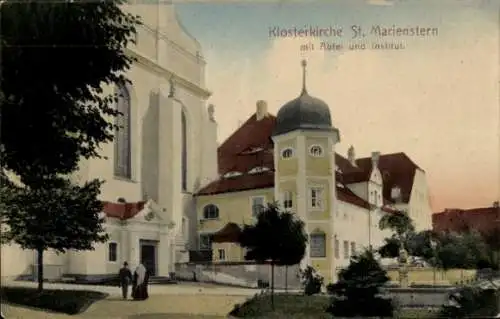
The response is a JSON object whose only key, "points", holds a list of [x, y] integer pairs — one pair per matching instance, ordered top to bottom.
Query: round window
{"points": [[316, 151]]}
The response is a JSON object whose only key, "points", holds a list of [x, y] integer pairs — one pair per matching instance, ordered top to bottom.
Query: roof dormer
{"points": [[258, 169], [232, 174]]}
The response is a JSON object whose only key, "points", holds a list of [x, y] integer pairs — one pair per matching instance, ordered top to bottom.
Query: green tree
{"points": [[57, 56], [58, 59], [57, 215], [400, 223], [403, 230], [277, 238], [492, 239], [420, 245], [390, 248], [294, 249], [460, 250], [357, 291]]}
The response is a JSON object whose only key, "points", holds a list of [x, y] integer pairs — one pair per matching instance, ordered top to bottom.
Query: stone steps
{"points": [[158, 280]]}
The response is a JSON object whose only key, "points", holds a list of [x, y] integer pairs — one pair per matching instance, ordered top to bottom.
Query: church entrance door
{"points": [[149, 249]]}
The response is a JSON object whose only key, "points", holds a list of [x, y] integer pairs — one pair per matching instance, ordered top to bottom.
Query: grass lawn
{"points": [[65, 301], [303, 307]]}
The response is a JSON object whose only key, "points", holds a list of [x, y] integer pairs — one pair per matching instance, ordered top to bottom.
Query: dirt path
{"points": [[157, 306]]}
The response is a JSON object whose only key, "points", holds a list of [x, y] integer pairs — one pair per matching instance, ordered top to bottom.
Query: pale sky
{"points": [[437, 100]]}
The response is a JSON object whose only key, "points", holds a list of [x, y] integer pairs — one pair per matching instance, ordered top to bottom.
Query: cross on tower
{"points": [[304, 65]]}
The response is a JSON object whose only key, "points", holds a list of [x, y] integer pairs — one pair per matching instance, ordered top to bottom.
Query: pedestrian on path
{"points": [[125, 276]]}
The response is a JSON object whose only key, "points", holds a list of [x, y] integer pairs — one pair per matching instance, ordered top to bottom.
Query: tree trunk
{"points": [[40, 269], [286, 279], [272, 285]]}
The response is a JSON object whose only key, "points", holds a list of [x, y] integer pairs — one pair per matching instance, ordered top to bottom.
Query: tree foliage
{"points": [[57, 56], [60, 60], [55, 215], [399, 222], [403, 230], [277, 238], [492, 240], [390, 247], [466, 249], [311, 280], [357, 291]]}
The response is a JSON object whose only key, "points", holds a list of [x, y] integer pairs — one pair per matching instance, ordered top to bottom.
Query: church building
{"points": [[166, 149]]}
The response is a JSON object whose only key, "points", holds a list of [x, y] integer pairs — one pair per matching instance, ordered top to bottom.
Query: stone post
{"points": [[403, 268]]}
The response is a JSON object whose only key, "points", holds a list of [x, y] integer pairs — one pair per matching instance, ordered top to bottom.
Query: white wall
{"points": [[161, 54], [156, 130], [360, 189], [419, 205], [352, 224], [15, 261]]}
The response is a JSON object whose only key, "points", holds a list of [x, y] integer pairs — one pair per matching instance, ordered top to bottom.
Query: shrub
{"points": [[311, 280], [359, 284], [65, 301], [472, 301], [286, 306]]}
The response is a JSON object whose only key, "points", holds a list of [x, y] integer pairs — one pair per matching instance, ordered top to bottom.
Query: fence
{"points": [[247, 274], [433, 277]]}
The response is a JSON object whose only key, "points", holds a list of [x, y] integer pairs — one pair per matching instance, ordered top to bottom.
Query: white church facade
{"points": [[166, 149]]}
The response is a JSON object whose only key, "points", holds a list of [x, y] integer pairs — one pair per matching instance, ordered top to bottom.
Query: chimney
{"points": [[261, 110], [351, 156], [375, 158]]}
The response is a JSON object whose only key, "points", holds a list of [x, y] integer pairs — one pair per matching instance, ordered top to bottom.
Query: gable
{"points": [[376, 176], [149, 213]]}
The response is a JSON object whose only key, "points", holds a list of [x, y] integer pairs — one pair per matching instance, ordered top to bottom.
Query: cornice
{"points": [[150, 65]]}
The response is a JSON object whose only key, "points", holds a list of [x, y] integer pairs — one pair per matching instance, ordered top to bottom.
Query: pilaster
{"points": [[166, 129], [276, 154], [302, 191], [333, 207], [125, 247], [134, 250], [164, 261]]}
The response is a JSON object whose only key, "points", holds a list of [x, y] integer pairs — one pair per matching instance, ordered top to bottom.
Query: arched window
{"points": [[184, 150], [316, 151], [287, 153], [123, 154], [210, 212], [317, 244]]}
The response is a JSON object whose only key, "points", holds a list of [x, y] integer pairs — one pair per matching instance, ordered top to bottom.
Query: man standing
{"points": [[125, 279]]}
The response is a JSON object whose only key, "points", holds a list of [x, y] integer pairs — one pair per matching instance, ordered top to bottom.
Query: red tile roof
{"points": [[251, 146], [397, 170], [122, 211], [483, 219], [230, 233]]}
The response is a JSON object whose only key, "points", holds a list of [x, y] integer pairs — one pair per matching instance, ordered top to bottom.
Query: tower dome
{"points": [[303, 113]]}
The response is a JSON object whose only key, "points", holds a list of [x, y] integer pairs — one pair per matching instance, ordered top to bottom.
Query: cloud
{"points": [[437, 100]]}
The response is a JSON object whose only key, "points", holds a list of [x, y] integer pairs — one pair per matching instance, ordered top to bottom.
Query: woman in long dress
{"points": [[140, 288]]}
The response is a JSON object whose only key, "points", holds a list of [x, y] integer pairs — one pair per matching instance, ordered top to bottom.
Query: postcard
{"points": [[199, 159]]}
